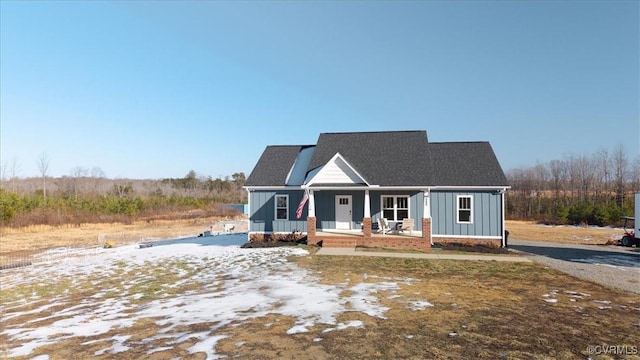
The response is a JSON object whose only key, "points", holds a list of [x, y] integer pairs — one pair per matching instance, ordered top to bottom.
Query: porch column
{"points": [[312, 204], [426, 211], [426, 217], [311, 220], [366, 222]]}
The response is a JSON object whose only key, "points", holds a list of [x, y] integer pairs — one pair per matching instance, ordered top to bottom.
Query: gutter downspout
{"points": [[249, 214], [504, 234]]}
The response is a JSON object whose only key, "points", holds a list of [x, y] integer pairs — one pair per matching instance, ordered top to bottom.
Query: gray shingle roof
{"points": [[382, 158], [389, 158], [465, 164], [274, 165]]}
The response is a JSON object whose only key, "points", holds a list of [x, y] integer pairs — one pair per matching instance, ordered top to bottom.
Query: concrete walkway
{"points": [[431, 256]]}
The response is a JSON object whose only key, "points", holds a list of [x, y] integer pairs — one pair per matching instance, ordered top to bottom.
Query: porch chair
{"points": [[407, 224], [383, 226]]}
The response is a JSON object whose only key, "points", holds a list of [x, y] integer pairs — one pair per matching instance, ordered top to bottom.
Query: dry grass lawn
{"points": [[529, 230], [482, 310]]}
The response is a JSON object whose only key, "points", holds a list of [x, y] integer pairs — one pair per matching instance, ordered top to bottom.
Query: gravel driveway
{"points": [[612, 266]]}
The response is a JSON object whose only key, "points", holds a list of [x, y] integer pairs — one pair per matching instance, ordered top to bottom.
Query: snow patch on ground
{"points": [[619, 262], [238, 285], [418, 305]]}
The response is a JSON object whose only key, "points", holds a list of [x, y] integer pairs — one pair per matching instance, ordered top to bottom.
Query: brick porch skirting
{"points": [[369, 238]]}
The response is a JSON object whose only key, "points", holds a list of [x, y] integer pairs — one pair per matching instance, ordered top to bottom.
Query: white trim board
{"points": [[468, 237]]}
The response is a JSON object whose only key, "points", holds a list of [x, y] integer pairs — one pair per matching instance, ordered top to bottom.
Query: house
{"points": [[451, 191]]}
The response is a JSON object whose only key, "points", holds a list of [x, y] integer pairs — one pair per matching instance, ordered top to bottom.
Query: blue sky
{"points": [[154, 89]]}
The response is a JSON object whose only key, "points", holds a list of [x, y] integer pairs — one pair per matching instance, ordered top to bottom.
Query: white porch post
{"points": [[312, 204], [367, 204], [426, 211], [426, 216], [366, 221]]}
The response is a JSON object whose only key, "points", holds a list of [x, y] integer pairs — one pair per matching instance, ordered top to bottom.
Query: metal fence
{"points": [[27, 257]]}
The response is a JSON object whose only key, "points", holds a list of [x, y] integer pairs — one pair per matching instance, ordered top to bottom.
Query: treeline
{"points": [[594, 189], [91, 199]]}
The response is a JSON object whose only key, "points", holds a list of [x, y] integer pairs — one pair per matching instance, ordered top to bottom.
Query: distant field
{"points": [[528, 230], [43, 236]]}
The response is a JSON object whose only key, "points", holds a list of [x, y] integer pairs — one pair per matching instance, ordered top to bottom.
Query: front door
{"points": [[343, 212]]}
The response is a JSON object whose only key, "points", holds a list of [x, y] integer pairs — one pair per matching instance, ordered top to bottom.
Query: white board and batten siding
{"points": [[336, 171]]}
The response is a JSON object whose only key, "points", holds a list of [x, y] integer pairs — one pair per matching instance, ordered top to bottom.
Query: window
{"points": [[282, 207], [395, 208], [465, 209]]}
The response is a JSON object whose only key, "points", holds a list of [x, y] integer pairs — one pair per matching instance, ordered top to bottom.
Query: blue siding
{"points": [[326, 208], [262, 212], [487, 214]]}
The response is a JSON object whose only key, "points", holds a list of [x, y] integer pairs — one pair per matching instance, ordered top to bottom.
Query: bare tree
{"points": [[601, 166], [43, 167], [15, 171], [558, 171], [620, 171], [96, 172], [3, 173], [78, 173], [573, 174], [98, 175], [581, 175], [634, 177], [540, 178], [238, 181]]}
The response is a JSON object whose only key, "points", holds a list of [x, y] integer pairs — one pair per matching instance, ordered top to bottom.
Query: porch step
{"points": [[338, 242]]}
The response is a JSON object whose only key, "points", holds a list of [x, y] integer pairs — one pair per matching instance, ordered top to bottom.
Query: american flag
{"points": [[301, 205]]}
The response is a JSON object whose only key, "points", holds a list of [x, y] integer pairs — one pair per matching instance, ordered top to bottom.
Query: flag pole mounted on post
{"points": [[302, 202]]}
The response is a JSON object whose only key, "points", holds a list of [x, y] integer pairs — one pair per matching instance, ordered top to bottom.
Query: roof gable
{"points": [[335, 171]]}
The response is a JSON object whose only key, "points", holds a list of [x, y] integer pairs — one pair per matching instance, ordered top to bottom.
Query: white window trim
{"points": [[470, 197], [395, 206], [275, 207]]}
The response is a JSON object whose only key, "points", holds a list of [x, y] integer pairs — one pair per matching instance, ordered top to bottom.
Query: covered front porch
{"points": [[343, 218]]}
